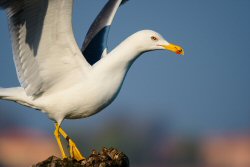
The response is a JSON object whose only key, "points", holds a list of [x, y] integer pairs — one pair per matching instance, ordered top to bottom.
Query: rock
{"points": [[106, 158]]}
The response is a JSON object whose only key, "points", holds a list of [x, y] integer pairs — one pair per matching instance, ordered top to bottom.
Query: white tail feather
{"points": [[16, 94]]}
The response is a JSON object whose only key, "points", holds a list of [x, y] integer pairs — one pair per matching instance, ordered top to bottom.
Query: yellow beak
{"points": [[174, 48]]}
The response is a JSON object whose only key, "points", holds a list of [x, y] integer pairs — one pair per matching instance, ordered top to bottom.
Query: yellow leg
{"points": [[57, 136], [74, 151]]}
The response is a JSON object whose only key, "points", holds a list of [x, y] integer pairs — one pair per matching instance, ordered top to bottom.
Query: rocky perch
{"points": [[106, 158]]}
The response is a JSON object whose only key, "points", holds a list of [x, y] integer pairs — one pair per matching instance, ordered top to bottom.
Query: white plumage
{"points": [[54, 75]]}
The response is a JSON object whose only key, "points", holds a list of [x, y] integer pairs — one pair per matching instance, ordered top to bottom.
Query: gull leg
{"points": [[58, 139], [74, 151]]}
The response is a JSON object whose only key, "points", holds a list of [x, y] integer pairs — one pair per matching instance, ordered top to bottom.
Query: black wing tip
{"points": [[124, 1], [5, 3]]}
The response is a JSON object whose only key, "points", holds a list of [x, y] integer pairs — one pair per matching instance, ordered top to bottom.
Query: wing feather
{"points": [[95, 44], [45, 50]]}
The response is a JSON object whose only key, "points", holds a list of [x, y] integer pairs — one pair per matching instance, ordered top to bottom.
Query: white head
{"points": [[147, 40]]}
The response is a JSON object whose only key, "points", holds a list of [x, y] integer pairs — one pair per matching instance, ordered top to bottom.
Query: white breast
{"points": [[83, 99]]}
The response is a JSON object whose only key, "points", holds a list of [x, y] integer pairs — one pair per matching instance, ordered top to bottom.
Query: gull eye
{"points": [[153, 38]]}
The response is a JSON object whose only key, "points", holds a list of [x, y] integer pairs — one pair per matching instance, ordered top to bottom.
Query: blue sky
{"points": [[207, 90]]}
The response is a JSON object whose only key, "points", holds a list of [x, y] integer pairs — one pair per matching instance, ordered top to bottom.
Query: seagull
{"points": [[56, 76]]}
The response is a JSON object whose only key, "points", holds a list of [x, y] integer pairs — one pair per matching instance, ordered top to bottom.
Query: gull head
{"points": [[148, 40]]}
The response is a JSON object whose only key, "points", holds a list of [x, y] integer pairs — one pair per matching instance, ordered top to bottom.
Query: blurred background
{"points": [[172, 111]]}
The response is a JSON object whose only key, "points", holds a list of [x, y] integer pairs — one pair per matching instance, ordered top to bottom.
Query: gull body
{"points": [[59, 78], [97, 87]]}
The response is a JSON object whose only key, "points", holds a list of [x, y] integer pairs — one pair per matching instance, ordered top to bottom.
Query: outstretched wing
{"points": [[95, 43], [45, 50]]}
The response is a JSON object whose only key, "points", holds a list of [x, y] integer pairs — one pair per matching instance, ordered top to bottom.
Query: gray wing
{"points": [[95, 43], [45, 50]]}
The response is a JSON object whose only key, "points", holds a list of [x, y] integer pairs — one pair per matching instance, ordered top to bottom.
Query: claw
{"points": [[74, 151]]}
